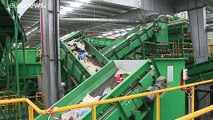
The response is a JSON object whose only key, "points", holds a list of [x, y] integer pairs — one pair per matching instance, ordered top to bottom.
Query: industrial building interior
{"points": [[106, 59]]}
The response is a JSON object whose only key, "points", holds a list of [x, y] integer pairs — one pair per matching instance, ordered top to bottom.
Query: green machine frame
{"points": [[11, 34]]}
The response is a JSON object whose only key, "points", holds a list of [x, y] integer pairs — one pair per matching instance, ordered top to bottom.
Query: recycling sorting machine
{"points": [[155, 33], [154, 40], [149, 57], [140, 76]]}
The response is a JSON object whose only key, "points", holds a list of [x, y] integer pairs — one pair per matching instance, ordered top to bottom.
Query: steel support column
{"points": [[199, 37], [199, 40], [51, 53]]}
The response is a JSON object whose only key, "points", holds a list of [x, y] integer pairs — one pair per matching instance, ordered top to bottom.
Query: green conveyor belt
{"points": [[157, 31], [125, 47], [122, 48], [73, 69], [201, 71], [138, 81]]}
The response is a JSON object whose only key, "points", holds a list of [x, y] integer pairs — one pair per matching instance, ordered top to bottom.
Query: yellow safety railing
{"points": [[33, 107], [197, 113]]}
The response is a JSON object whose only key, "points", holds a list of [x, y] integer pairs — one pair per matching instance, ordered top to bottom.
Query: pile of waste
{"points": [[78, 49], [80, 52], [76, 114]]}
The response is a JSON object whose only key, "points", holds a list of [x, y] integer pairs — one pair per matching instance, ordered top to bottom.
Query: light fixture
{"points": [[85, 1], [75, 4], [65, 10], [128, 29], [122, 30], [117, 31], [110, 33], [105, 34]]}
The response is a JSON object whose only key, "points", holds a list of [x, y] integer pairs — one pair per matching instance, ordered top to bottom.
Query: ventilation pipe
{"points": [[103, 20]]}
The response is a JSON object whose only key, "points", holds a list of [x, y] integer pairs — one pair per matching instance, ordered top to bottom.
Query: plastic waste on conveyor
{"points": [[79, 66]]}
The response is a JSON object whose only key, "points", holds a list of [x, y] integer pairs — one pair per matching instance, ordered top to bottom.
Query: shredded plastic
{"points": [[106, 91], [76, 114]]}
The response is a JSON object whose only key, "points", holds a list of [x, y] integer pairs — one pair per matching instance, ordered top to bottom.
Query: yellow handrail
{"points": [[19, 100], [93, 104], [158, 106], [197, 113]]}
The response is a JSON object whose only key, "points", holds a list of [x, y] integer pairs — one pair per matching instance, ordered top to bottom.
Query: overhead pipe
{"points": [[97, 20], [103, 20]]}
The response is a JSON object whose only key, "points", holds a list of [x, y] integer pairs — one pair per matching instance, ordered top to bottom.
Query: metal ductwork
{"points": [[102, 20]]}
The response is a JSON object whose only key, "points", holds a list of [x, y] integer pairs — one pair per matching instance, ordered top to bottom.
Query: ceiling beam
{"points": [[161, 6]]}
